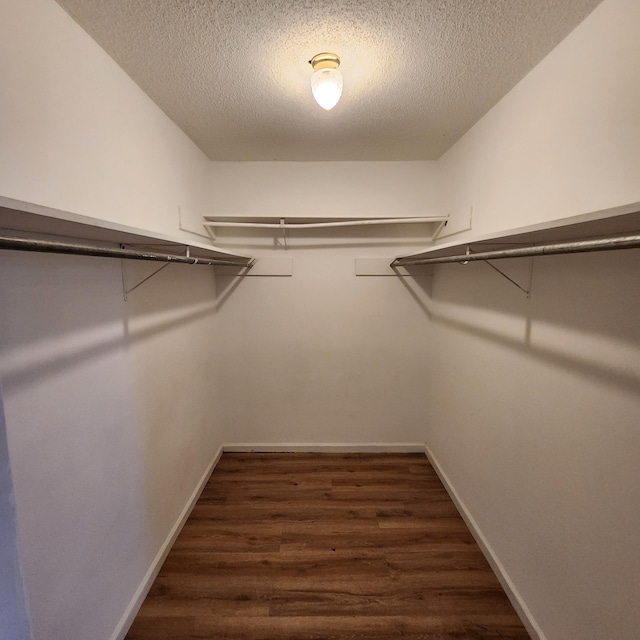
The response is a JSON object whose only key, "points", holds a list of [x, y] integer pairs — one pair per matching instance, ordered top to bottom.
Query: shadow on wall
{"points": [[419, 279], [579, 291], [183, 304], [582, 314], [71, 316], [109, 434], [13, 607]]}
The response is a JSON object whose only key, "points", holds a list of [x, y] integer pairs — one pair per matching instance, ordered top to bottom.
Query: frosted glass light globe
{"points": [[326, 85]]}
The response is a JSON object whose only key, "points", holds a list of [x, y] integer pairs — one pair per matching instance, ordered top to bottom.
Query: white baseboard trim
{"points": [[377, 447], [510, 589], [141, 592]]}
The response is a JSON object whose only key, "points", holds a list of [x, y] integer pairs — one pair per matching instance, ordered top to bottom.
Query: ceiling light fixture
{"points": [[326, 82]]}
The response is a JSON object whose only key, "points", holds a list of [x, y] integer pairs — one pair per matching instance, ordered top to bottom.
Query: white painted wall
{"points": [[77, 134], [564, 141], [340, 189], [323, 356], [320, 357], [534, 404], [110, 409], [114, 410], [533, 415], [111, 421], [13, 607]]}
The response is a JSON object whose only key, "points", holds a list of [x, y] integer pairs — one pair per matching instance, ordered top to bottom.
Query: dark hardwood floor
{"points": [[302, 546]]}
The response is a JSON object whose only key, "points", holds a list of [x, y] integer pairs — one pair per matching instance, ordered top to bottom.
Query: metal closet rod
{"points": [[321, 225], [50, 246], [578, 246]]}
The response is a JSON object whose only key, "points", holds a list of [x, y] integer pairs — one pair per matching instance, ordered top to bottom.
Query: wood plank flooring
{"points": [[306, 546]]}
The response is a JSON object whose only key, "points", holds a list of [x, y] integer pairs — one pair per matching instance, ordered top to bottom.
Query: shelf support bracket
{"points": [[439, 229], [158, 270], [125, 291], [527, 292]]}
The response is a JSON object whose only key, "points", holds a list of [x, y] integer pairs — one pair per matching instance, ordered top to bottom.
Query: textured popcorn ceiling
{"points": [[234, 74]]}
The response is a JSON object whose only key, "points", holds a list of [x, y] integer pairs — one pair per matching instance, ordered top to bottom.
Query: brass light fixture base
{"points": [[325, 61]]}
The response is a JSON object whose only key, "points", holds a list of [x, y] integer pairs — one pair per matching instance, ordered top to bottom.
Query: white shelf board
{"points": [[18, 217], [310, 219], [609, 222], [417, 225]]}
